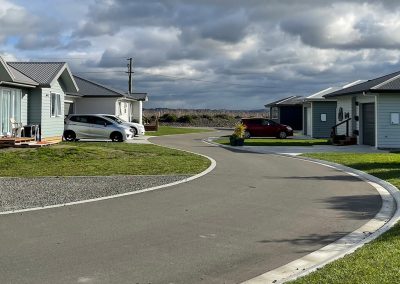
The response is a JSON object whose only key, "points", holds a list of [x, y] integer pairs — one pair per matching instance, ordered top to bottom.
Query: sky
{"points": [[225, 54]]}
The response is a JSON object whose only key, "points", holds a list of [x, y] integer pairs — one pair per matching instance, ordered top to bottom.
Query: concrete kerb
{"points": [[203, 173], [385, 219]]}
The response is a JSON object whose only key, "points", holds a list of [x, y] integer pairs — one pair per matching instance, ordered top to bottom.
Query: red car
{"points": [[262, 127]]}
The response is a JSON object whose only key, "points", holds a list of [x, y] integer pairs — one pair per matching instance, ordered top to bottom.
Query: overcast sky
{"points": [[209, 54]]}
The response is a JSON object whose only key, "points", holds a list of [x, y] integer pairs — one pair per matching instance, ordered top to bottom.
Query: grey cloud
{"points": [[312, 27]]}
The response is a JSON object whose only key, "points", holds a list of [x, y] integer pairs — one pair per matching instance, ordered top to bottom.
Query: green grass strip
{"points": [[99, 159], [379, 260]]}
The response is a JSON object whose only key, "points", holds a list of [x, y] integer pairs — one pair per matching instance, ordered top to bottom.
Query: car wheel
{"points": [[134, 131], [247, 134], [282, 135], [69, 136], [116, 137]]}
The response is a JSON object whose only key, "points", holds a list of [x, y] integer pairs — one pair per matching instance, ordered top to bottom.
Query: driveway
{"points": [[253, 213]]}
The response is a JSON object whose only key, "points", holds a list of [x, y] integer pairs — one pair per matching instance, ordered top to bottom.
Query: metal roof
{"points": [[41, 72], [21, 78], [390, 82], [88, 88], [320, 95], [292, 100]]}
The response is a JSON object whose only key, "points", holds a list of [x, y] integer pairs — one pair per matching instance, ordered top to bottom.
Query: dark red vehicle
{"points": [[262, 127]]}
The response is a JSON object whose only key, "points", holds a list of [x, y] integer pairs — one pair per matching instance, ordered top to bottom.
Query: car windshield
{"points": [[116, 119]]}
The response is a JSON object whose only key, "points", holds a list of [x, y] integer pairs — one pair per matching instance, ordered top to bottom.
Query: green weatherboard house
{"points": [[33, 93]]}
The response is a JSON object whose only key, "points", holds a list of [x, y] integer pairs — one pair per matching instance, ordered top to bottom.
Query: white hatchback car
{"points": [[94, 126], [137, 128]]}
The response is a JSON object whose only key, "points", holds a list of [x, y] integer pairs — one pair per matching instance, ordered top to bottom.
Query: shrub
{"points": [[168, 118], [185, 119], [239, 130]]}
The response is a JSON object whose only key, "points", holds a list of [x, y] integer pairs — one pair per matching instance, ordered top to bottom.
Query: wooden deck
{"points": [[13, 141], [25, 142]]}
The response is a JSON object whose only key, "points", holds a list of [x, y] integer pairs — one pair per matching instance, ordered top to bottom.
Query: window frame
{"points": [[55, 110]]}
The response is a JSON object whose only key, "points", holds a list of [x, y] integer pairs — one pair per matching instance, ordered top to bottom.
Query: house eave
{"points": [[16, 84]]}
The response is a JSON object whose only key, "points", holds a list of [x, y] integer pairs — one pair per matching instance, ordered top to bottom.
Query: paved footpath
{"points": [[253, 213]]}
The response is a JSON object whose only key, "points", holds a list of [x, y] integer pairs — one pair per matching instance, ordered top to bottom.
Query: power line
{"points": [[176, 78]]}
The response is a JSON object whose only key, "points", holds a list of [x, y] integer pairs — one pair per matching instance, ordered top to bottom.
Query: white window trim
{"points": [[57, 105]]}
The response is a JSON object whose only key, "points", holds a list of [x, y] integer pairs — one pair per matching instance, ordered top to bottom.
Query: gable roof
{"points": [[41, 72], [32, 74], [9, 75], [387, 83], [88, 88], [292, 100]]}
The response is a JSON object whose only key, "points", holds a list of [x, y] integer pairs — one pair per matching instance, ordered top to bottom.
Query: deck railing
{"points": [[334, 128]]}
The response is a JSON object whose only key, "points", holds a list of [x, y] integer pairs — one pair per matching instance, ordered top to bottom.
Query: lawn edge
{"points": [[193, 177], [385, 219]]}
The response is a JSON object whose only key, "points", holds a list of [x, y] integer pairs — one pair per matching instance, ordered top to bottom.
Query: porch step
{"points": [[342, 140]]}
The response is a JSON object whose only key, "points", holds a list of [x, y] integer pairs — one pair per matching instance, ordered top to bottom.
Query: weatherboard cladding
{"points": [[42, 72], [368, 86], [89, 88], [322, 129]]}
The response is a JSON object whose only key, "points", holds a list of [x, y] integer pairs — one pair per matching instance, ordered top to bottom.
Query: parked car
{"points": [[94, 126], [262, 127], [138, 129]]}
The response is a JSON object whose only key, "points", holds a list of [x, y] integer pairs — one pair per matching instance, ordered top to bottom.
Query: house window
{"points": [[55, 105], [10, 108], [274, 113]]}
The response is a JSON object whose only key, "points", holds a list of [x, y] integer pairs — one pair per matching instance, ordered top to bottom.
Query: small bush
{"points": [[168, 118], [185, 119]]}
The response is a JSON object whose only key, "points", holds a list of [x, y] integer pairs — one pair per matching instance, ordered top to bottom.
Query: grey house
{"points": [[33, 93], [97, 98], [288, 111], [372, 111], [319, 114]]}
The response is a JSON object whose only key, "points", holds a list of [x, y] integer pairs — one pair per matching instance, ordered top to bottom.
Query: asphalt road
{"points": [[253, 213]]}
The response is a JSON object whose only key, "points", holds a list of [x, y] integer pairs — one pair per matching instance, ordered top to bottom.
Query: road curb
{"points": [[203, 173], [385, 219]]}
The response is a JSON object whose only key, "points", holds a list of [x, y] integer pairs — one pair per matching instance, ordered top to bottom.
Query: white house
{"points": [[97, 98], [371, 110]]}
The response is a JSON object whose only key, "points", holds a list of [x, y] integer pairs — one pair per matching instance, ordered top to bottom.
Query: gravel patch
{"points": [[23, 193]]}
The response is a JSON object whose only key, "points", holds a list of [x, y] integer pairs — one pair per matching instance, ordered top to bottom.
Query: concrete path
{"points": [[298, 150], [253, 213]]}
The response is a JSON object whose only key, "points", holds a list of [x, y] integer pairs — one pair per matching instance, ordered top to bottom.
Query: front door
{"points": [[368, 124]]}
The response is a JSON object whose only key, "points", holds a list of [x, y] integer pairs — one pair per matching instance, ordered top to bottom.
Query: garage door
{"points": [[368, 124]]}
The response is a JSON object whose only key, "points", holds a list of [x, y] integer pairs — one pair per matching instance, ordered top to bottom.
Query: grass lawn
{"points": [[169, 130], [277, 142], [99, 159], [378, 261]]}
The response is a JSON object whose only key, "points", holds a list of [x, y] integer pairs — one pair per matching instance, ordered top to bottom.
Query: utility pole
{"points": [[130, 72]]}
